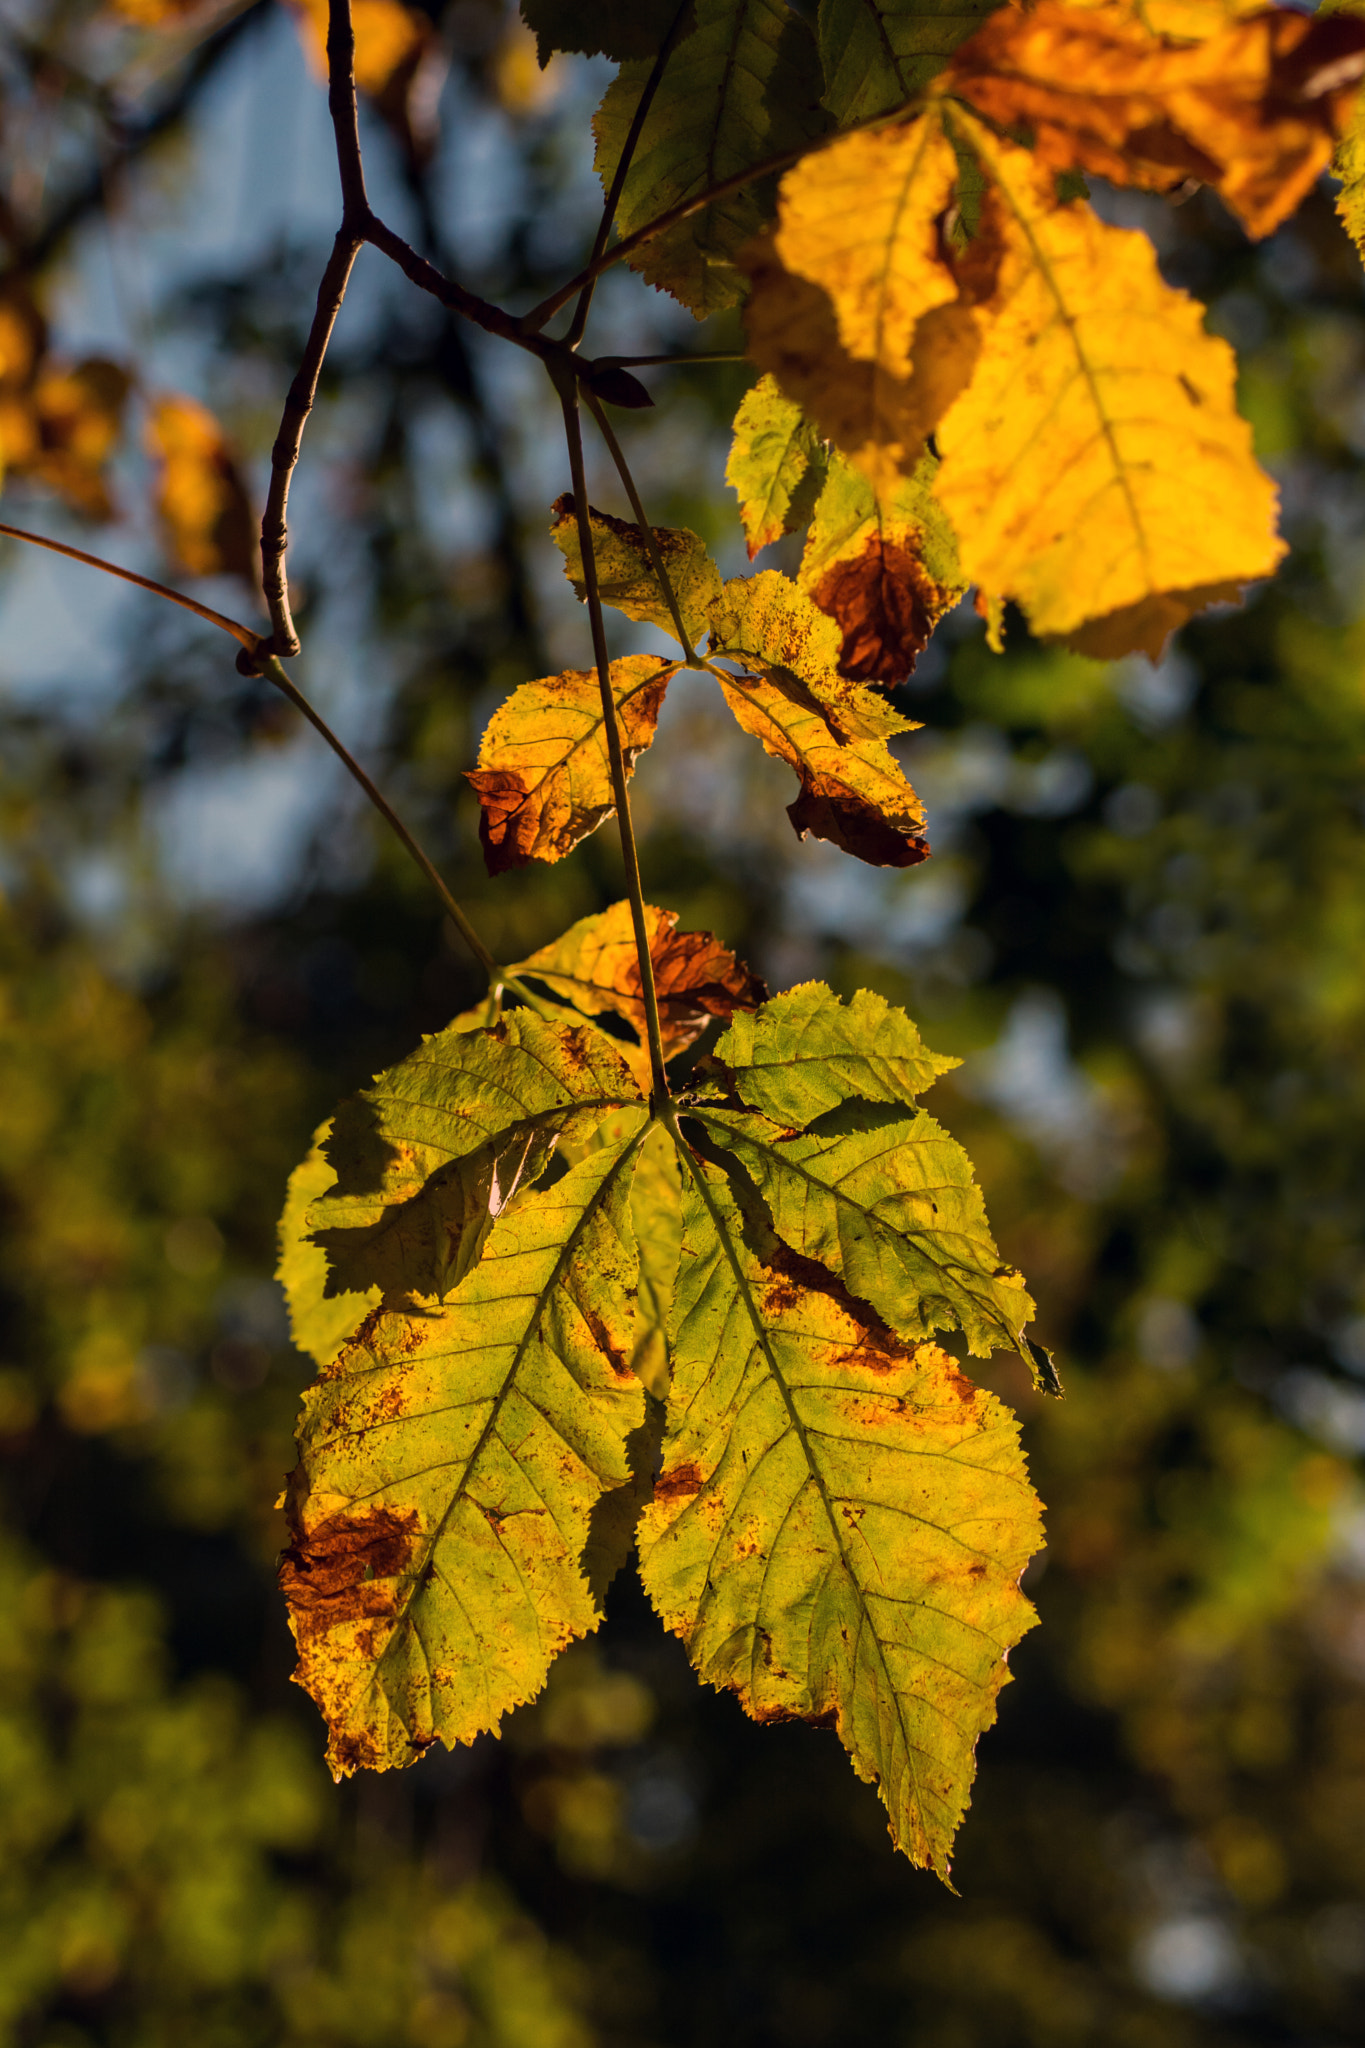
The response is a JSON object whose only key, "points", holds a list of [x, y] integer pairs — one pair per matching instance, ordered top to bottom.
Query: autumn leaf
{"points": [[619, 29], [878, 54], [742, 85], [1252, 110], [1348, 166], [854, 308], [776, 467], [1095, 469], [201, 501], [883, 566], [625, 573], [787, 692], [544, 777], [594, 968], [806, 1052], [427, 1156], [319, 1323], [449, 1464], [840, 1523]]}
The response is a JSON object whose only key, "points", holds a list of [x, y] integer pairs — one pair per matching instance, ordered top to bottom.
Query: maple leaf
{"points": [[878, 54], [741, 86], [1253, 109], [850, 287], [776, 466], [1096, 469], [201, 501], [884, 566], [625, 573], [789, 695], [544, 776], [594, 968], [450, 1462], [840, 1523]]}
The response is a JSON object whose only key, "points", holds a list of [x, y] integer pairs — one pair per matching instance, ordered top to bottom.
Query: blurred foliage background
{"points": [[1143, 929]]}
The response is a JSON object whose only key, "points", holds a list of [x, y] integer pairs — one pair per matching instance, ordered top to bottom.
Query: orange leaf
{"points": [[1254, 109], [78, 416], [200, 497], [544, 779], [594, 966]]}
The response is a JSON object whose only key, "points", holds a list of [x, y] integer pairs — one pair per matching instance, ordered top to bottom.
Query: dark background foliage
{"points": [[1143, 929]]}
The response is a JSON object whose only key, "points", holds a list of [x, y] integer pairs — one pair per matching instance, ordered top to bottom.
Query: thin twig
{"points": [[619, 176], [568, 398], [655, 558], [251, 641]]}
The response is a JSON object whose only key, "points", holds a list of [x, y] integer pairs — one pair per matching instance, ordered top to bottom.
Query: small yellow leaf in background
{"points": [[1252, 110], [1096, 469], [205, 514], [544, 775]]}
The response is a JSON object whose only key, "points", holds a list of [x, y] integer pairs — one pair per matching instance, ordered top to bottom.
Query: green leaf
{"points": [[608, 28], [877, 54], [741, 87], [777, 465], [883, 566], [625, 574], [833, 732], [806, 1052], [430, 1150], [884, 1198], [656, 1218], [319, 1322], [449, 1464], [840, 1523]]}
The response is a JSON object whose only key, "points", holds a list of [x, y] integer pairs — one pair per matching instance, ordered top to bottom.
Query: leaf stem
{"points": [[573, 434], [656, 559], [251, 641]]}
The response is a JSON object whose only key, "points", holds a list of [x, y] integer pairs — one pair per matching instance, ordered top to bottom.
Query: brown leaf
{"points": [[1253, 109], [204, 510], [544, 777], [595, 967]]}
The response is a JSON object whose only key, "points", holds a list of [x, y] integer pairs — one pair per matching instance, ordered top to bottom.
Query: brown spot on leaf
{"points": [[886, 604], [611, 1351], [680, 1484], [344, 1569]]}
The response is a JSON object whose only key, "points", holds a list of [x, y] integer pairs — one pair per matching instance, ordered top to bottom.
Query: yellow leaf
{"points": [[1252, 109], [1348, 165], [841, 290], [776, 465], [1096, 469], [200, 497], [883, 566], [625, 572], [834, 733], [544, 777], [318, 1323], [840, 1523]]}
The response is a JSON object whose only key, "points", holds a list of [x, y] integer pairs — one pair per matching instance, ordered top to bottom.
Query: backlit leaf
{"points": [[618, 29], [877, 54], [741, 86], [1252, 110], [1348, 165], [843, 307], [776, 467], [1096, 469], [201, 501], [884, 566], [625, 574], [834, 733], [544, 775], [594, 968], [806, 1052], [435, 1146], [319, 1323], [450, 1462], [840, 1523]]}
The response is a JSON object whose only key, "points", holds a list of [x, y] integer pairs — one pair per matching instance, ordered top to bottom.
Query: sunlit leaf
{"points": [[877, 54], [741, 86], [1252, 110], [776, 466], [1096, 469], [201, 501], [883, 565], [625, 573], [787, 692], [544, 775], [594, 967], [806, 1052], [429, 1153], [319, 1323], [449, 1464], [840, 1523]]}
